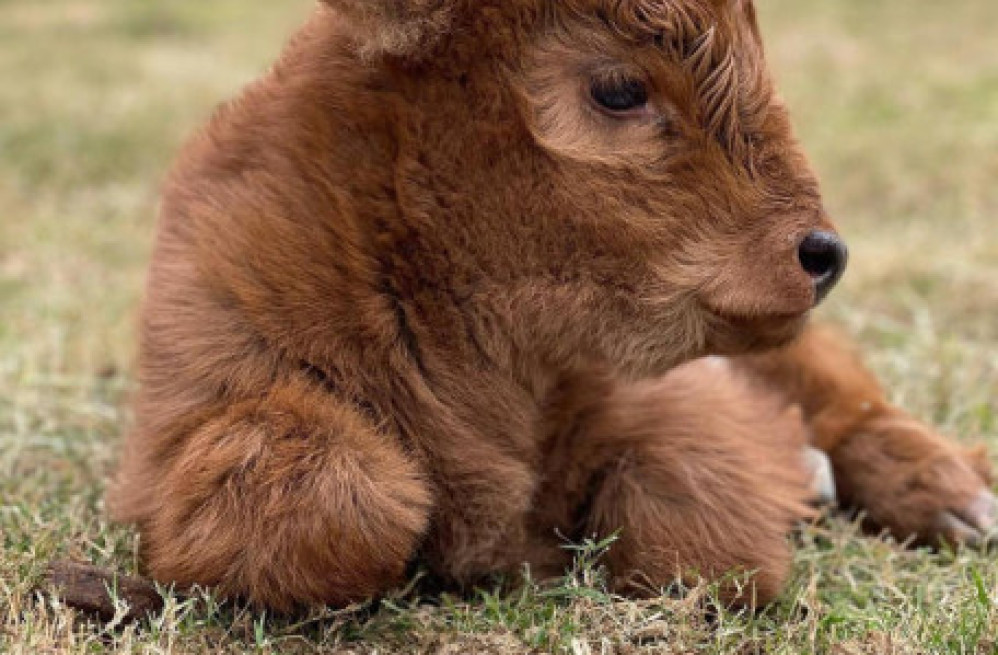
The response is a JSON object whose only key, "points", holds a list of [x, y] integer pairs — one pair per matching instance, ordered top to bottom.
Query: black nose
{"points": [[823, 255]]}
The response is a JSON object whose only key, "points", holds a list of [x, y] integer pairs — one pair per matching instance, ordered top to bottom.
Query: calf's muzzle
{"points": [[823, 255]]}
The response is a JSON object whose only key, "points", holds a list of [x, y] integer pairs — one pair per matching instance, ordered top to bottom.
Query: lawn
{"points": [[897, 102]]}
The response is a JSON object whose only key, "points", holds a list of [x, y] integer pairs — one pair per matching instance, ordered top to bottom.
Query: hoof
{"points": [[976, 525]]}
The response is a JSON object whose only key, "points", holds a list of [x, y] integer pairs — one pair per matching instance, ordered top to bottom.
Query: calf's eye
{"points": [[619, 96]]}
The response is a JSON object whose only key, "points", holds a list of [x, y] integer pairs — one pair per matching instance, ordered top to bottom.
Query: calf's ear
{"points": [[407, 28]]}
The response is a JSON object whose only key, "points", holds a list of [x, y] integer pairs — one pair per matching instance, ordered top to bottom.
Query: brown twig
{"points": [[89, 589]]}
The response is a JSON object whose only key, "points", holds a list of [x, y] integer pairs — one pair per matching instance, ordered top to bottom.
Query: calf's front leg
{"points": [[698, 474], [906, 477]]}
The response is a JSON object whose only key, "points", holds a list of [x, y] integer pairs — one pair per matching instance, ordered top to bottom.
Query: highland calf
{"points": [[431, 291]]}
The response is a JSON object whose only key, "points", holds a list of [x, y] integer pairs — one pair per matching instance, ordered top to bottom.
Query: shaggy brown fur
{"points": [[405, 288]]}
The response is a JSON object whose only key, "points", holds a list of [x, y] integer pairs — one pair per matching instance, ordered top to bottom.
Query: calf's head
{"points": [[621, 171]]}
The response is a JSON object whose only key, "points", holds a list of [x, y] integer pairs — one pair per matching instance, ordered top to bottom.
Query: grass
{"points": [[897, 101]]}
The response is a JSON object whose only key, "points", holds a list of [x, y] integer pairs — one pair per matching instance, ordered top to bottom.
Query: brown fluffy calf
{"points": [[407, 287]]}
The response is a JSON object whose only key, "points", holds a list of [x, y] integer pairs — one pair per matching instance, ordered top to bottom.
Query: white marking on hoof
{"points": [[719, 363], [823, 490], [975, 525], [958, 532]]}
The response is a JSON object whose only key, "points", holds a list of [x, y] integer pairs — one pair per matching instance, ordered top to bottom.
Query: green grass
{"points": [[897, 101]]}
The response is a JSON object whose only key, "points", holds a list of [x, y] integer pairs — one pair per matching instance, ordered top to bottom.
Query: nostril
{"points": [[823, 256], [818, 257]]}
